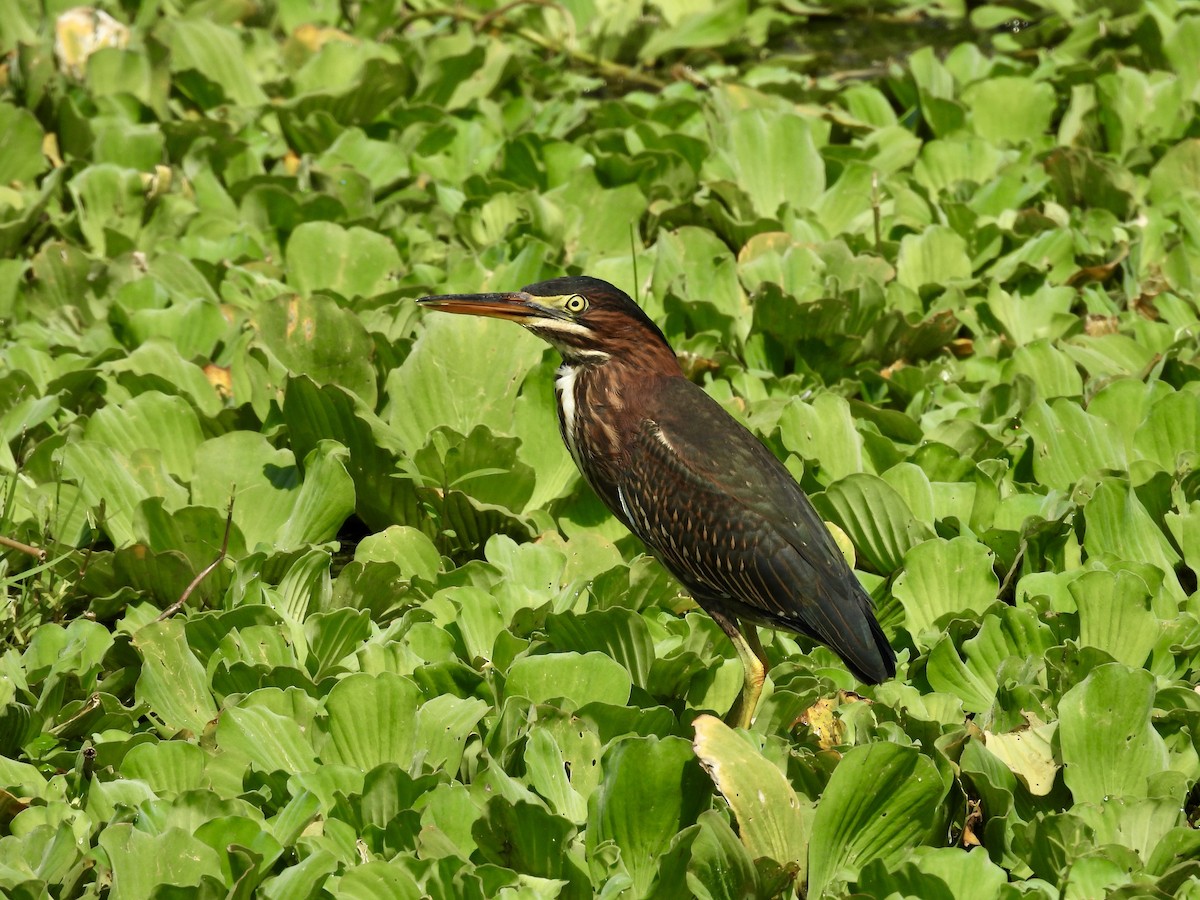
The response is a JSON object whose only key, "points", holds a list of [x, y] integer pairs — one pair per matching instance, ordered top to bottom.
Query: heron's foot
{"points": [[754, 664]]}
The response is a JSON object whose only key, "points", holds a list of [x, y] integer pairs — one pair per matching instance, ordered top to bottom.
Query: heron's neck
{"points": [[628, 364], [598, 398]]}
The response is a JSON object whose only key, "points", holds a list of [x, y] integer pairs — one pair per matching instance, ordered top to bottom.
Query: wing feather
{"points": [[730, 522]]}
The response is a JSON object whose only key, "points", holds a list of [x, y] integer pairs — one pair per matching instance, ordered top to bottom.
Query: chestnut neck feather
{"points": [[613, 339], [603, 395]]}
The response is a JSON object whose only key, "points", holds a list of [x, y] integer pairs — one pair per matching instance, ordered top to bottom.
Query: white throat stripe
{"points": [[565, 385]]}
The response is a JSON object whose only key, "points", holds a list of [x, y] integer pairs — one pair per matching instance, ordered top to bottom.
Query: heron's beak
{"points": [[517, 306]]}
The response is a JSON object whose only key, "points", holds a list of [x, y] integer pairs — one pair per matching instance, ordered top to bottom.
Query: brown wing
{"points": [[730, 522]]}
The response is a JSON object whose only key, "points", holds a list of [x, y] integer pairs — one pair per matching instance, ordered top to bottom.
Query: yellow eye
{"points": [[576, 303]]}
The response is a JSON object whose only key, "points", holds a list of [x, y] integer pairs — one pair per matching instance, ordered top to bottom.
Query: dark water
{"points": [[869, 43]]}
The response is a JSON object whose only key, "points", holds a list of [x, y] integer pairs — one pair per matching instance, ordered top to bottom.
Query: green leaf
{"points": [[295, 13], [712, 27], [216, 53], [113, 71], [936, 89], [1010, 108], [21, 156], [774, 159], [945, 163], [1177, 171], [1077, 175], [111, 200], [15, 227], [1051, 253], [935, 256], [774, 257], [354, 262], [697, 264], [1044, 314], [193, 328], [316, 337], [1110, 355], [157, 362], [1052, 371], [463, 372], [314, 414], [150, 422], [1171, 431], [823, 432], [1070, 443], [483, 466], [119, 484], [325, 500], [273, 507], [875, 517], [1118, 523], [1185, 528], [408, 548], [943, 577], [114, 578], [305, 587], [1115, 615], [480, 620], [618, 633], [1009, 635], [333, 636], [579, 677], [172, 682], [371, 721], [444, 724], [270, 741], [1109, 746], [576, 749], [1029, 754], [169, 767], [548, 774], [652, 789], [881, 801], [451, 810], [772, 821], [1140, 825], [523, 837], [142, 862], [720, 867], [941, 872], [304, 879], [378, 880]]}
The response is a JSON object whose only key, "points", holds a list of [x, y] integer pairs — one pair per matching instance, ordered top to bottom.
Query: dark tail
{"points": [[873, 662]]}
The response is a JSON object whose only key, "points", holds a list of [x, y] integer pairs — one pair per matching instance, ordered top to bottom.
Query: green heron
{"points": [[707, 497]]}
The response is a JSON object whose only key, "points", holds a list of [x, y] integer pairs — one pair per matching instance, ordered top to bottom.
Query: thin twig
{"points": [[504, 10], [606, 67], [876, 216], [36, 552], [1012, 570], [204, 573], [89, 706]]}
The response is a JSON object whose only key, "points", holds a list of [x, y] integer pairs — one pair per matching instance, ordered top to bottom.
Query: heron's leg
{"points": [[754, 662]]}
